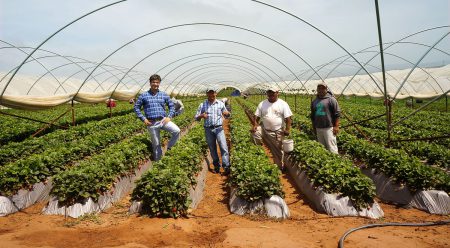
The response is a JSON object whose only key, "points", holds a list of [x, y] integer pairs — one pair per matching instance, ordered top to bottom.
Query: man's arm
{"points": [[171, 107], [137, 110], [199, 115], [288, 121], [336, 126]]}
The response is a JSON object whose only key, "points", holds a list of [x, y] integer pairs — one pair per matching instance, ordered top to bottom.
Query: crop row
{"points": [[252, 174]]}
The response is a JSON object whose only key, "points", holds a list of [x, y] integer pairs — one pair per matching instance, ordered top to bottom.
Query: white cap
{"points": [[323, 84], [272, 88], [210, 89]]}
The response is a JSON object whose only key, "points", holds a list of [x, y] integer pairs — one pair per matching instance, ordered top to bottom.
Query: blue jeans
{"points": [[214, 135], [155, 136]]}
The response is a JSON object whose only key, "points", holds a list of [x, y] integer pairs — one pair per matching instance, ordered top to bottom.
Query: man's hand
{"points": [[226, 113], [204, 116], [166, 120], [147, 122], [254, 128], [335, 130], [286, 132]]}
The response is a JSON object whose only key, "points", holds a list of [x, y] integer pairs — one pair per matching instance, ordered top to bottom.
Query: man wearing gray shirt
{"points": [[325, 114]]}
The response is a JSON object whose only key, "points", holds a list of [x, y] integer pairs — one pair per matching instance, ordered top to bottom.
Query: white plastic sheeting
{"points": [[421, 84], [35, 102], [122, 187], [195, 193], [25, 198], [432, 201], [331, 204], [274, 206]]}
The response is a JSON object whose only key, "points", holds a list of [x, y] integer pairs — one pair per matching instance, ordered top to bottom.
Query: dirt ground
{"points": [[212, 225]]}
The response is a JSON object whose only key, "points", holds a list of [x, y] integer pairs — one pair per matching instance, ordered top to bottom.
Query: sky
{"points": [[220, 40]]}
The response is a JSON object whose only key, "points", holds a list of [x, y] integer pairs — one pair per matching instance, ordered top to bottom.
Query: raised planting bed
{"points": [[254, 180]]}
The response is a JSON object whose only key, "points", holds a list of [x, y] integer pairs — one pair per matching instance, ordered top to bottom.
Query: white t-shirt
{"points": [[273, 114]]}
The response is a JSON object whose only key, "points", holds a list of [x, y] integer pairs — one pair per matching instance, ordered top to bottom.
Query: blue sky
{"points": [[352, 23]]}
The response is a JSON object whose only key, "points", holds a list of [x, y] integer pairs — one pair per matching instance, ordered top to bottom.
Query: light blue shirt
{"points": [[214, 111]]}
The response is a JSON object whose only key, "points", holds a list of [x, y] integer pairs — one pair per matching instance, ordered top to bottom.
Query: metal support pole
{"points": [[387, 101], [412, 102], [446, 103], [295, 107], [73, 115]]}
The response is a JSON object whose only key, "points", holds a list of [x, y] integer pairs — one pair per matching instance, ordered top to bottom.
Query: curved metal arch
{"points": [[193, 24], [48, 38], [197, 40], [389, 45], [385, 48], [365, 51], [221, 54], [67, 57], [399, 57], [421, 58], [33, 59], [215, 63], [237, 67], [55, 68], [378, 68], [143, 75], [200, 77], [216, 81], [222, 86], [183, 88], [195, 88]]}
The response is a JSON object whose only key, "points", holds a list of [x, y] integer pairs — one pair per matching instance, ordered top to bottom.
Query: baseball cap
{"points": [[323, 84], [272, 88], [210, 89]]}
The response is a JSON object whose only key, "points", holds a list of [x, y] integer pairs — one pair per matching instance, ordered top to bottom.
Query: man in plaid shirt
{"points": [[212, 111], [155, 118]]}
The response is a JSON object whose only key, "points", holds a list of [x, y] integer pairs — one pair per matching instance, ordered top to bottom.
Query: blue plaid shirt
{"points": [[153, 105], [214, 111]]}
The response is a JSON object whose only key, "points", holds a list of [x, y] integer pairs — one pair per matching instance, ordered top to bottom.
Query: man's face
{"points": [[154, 84], [321, 90], [211, 95], [272, 96]]}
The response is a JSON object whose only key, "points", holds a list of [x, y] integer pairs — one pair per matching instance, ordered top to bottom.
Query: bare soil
{"points": [[212, 225]]}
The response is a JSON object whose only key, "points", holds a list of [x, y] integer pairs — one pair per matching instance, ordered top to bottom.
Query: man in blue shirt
{"points": [[212, 111], [155, 118]]}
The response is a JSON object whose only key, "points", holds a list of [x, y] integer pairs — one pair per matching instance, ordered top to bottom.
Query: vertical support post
{"points": [[387, 101], [412, 102], [446, 103], [295, 107], [73, 115]]}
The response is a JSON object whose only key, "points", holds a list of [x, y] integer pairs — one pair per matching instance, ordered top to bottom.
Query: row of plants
{"points": [[18, 129], [16, 150], [432, 154], [397, 164], [331, 172], [23, 173], [252, 174], [95, 175], [164, 189]]}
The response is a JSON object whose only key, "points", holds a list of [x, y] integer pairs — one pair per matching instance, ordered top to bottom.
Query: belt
{"points": [[156, 119], [213, 126]]}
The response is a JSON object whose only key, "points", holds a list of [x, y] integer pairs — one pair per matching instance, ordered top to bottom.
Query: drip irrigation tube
{"points": [[436, 223]]}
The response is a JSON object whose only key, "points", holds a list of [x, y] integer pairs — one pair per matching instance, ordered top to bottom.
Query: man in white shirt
{"points": [[276, 122]]}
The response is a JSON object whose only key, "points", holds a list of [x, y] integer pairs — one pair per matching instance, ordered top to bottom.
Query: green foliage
{"points": [[252, 174], [164, 189]]}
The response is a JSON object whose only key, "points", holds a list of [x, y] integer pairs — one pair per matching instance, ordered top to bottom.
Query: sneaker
{"points": [[283, 169], [216, 170]]}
